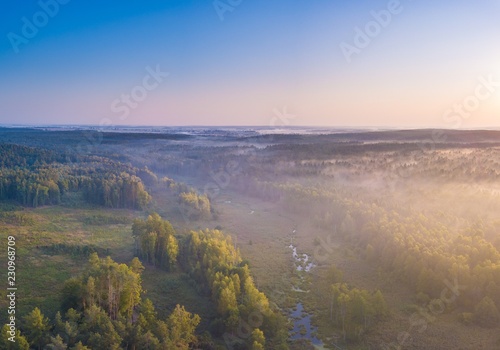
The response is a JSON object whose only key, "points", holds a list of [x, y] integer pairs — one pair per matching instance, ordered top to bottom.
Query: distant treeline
{"points": [[34, 177]]}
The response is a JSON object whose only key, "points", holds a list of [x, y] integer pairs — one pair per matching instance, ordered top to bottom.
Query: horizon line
{"points": [[366, 127]]}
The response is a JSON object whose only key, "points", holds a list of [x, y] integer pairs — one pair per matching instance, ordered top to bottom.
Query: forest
{"points": [[35, 177], [237, 240], [104, 307]]}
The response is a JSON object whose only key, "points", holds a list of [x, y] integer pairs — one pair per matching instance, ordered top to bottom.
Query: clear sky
{"points": [[251, 62]]}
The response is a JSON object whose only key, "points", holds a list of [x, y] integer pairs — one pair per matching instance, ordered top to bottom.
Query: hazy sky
{"points": [[251, 62]]}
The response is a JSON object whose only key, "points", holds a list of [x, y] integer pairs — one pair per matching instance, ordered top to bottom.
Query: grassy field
{"points": [[47, 241], [47, 244], [166, 290]]}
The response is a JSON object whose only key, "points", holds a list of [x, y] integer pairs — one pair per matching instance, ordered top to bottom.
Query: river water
{"points": [[302, 328]]}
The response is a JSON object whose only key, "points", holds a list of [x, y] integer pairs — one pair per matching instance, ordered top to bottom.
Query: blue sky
{"points": [[264, 56]]}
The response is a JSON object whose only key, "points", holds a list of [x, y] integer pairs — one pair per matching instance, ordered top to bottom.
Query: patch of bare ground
{"points": [[261, 234]]}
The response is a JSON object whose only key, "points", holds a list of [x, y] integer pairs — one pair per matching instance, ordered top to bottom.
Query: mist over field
{"points": [[249, 175], [213, 238]]}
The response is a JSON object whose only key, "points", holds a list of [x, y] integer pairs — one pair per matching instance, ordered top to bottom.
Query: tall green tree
{"points": [[155, 241], [486, 313], [182, 325], [37, 328], [99, 330], [258, 340], [20, 342], [56, 343]]}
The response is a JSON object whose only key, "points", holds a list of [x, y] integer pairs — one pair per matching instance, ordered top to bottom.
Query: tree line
{"points": [[35, 177]]}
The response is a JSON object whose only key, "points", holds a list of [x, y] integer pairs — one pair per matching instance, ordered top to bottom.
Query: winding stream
{"points": [[302, 328]]}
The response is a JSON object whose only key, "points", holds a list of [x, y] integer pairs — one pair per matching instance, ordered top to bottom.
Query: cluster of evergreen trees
{"points": [[23, 156], [35, 177], [33, 188], [116, 191], [195, 205], [155, 241], [419, 250], [216, 265], [217, 269], [114, 287], [104, 310], [354, 310], [351, 311]]}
